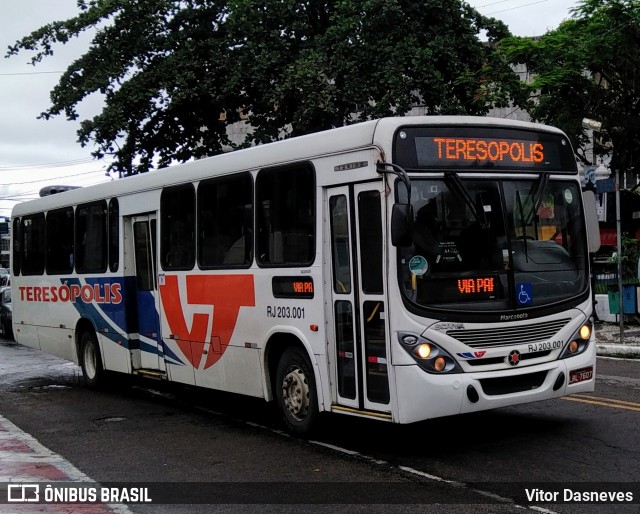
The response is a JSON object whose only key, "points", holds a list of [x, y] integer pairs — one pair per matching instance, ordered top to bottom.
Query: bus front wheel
{"points": [[90, 360], [296, 391]]}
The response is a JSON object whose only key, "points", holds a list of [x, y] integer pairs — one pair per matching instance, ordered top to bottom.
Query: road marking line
{"points": [[612, 400], [601, 404], [351, 453], [356, 454], [423, 474], [430, 476], [462, 485], [542, 509]]}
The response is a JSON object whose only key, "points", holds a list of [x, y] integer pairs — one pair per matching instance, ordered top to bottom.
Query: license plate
{"points": [[580, 375]]}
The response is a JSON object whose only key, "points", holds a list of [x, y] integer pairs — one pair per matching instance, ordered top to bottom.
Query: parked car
{"points": [[6, 313]]}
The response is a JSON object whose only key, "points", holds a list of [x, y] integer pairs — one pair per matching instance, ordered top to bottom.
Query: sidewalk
{"points": [[608, 340], [23, 460]]}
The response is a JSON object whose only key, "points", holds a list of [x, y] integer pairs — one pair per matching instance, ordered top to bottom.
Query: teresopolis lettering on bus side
{"points": [[88, 293]]}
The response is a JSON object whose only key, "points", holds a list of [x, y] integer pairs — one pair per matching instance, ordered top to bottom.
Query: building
{"points": [[5, 242]]}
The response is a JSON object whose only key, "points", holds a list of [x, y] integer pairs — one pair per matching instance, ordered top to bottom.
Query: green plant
{"points": [[629, 260], [601, 288]]}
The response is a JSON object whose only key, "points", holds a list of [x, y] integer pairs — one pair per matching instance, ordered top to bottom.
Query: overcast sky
{"points": [[526, 17], [35, 153]]}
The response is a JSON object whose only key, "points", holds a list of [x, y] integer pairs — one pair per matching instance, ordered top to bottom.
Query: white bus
{"points": [[399, 269]]}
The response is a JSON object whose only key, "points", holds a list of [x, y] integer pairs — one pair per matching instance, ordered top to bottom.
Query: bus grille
{"points": [[496, 337], [515, 384]]}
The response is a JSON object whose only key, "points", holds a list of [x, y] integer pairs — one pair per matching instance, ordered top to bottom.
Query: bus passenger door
{"points": [[358, 351], [150, 353]]}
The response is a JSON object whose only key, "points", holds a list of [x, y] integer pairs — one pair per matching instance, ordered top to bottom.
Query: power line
{"points": [[494, 3], [518, 7], [15, 74], [74, 162], [61, 178], [34, 193], [20, 197]]}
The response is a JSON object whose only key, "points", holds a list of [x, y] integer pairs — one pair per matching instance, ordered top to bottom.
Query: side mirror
{"points": [[591, 217], [402, 224]]}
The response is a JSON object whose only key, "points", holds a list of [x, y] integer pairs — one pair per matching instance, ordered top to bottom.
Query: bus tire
{"points": [[7, 330], [91, 361], [296, 391]]}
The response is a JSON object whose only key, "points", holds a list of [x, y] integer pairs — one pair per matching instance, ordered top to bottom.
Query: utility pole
{"points": [[619, 250]]}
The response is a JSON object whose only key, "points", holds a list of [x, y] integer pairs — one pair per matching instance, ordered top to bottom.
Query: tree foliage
{"points": [[588, 67], [167, 69]]}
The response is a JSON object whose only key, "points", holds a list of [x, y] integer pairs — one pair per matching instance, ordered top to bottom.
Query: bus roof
{"points": [[360, 135]]}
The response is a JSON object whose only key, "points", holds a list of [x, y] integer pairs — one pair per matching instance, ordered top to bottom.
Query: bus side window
{"points": [[370, 208], [285, 220], [225, 222], [177, 226], [114, 234], [91, 237], [33, 239], [60, 241], [340, 244], [16, 263]]}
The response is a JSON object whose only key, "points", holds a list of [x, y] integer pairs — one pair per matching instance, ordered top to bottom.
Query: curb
{"points": [[618, 350], [24, 459]]}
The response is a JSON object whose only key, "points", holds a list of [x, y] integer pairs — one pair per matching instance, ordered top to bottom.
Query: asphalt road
{"points": [[225, 447]]}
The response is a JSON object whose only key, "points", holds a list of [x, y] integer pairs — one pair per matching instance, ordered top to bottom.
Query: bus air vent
{"points": [[509, 336]]}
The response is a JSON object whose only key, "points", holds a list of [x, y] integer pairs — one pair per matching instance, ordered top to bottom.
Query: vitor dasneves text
{"points": [[569, 495]]}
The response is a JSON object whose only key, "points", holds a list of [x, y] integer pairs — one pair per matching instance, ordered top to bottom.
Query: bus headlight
{"points": [[585, 331], [579, 342], [424, 350], [429, 356]]}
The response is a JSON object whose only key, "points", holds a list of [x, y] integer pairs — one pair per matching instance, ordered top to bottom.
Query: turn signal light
{"points": [[573, 346], [439, 364]]}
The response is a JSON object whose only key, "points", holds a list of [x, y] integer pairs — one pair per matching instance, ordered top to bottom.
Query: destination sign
{"points": [[483, 148], [513, 151], [473, 286], [292, 287], [463, 289]]}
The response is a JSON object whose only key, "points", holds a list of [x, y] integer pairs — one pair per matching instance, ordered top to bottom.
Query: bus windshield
{"points": [[494, 245]]}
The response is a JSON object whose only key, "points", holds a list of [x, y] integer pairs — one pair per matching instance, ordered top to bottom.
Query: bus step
{"points": [[151, 373]]}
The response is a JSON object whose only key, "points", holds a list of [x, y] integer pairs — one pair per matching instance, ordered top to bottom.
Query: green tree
{"points": [[588, 67], [167, 69]]}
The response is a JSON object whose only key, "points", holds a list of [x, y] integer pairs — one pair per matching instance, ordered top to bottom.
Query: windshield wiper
{"points": [[455, 185], [537, 195], [524, 226]]}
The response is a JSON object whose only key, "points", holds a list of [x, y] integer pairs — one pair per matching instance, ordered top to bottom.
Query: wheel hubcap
{"points": [[295, 394]]}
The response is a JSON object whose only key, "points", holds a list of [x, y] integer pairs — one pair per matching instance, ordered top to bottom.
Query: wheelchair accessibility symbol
{"points": [[524, 293]]}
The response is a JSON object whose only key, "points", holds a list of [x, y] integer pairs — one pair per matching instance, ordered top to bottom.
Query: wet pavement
{"points": [[23, 460]]}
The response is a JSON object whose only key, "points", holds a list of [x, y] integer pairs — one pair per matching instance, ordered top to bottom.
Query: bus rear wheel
{"points": [[7, 329], [91, 361], [296, 391]]}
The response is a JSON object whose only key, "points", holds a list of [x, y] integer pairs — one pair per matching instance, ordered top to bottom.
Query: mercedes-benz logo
{"points": [[514, 358]]}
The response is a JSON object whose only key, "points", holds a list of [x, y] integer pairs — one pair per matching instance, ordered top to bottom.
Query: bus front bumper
{"points": [[424, 396]]}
